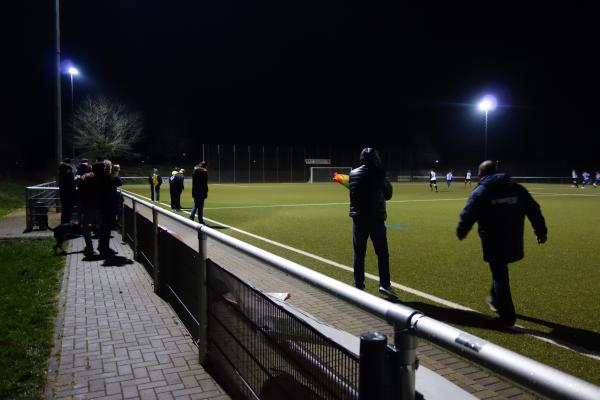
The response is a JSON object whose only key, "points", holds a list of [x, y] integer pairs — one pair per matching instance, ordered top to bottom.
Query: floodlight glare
{"points": [[73, 71], [488, 103]]}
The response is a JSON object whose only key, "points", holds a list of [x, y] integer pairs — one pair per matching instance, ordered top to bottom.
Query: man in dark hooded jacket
{"points": [[369, 189], [66, 190], [199, 190], [500, 205]]}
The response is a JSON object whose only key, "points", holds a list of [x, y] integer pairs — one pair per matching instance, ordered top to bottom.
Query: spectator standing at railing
{"points": [[155, 181], [176, 187], [66, 190], [87, 190], [199, 190], [369, 190], [117, 199], [500, 205], [107, 206]]}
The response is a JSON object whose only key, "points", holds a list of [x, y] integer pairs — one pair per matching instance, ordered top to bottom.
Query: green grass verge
{"points": [[12, 196], [29, 286], [555, 287]]}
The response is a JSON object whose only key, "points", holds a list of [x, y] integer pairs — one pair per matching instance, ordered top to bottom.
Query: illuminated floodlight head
{"points": [[73, 71], [488, 103]]}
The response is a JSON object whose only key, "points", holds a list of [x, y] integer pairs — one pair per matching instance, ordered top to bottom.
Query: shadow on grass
{"points": [[460, 317], [579, 340]]}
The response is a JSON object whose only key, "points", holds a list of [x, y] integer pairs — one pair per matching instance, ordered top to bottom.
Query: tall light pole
{"points": [[72, 71], [58, 97], [488, 103]]}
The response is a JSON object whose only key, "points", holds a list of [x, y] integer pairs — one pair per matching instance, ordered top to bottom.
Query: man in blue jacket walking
{"points": [[500, 205]]}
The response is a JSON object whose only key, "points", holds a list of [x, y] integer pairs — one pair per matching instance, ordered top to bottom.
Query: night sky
{"points": [[388, 74]]}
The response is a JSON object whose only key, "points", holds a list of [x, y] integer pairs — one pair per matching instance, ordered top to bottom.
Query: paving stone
{"points": [[113, 333]]}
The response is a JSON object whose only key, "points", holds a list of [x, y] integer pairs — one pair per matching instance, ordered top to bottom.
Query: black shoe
{"points": [[388, 291], [491, 304]]}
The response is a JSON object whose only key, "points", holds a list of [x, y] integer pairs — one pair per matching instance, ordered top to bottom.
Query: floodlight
{"points": [[73, 71], [488, 103]]}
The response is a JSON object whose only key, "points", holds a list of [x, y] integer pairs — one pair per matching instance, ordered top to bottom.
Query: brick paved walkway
{"points": [[115, 339]]}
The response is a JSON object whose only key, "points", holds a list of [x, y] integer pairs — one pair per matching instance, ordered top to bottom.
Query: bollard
{"points": [[203, 298], [403, 364], [371, 381]]}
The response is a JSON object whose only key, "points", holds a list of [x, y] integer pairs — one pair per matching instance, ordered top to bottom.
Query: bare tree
{"points": [[102, 127]]}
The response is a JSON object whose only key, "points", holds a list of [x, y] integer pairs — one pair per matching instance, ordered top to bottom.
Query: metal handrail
{"points": [[539, 377]]}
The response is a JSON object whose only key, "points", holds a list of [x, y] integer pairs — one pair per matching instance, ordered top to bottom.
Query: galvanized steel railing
{"points": [[408, 323]]}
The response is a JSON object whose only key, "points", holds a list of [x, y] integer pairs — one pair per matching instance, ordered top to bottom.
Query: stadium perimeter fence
{"points": [[261, 348]]}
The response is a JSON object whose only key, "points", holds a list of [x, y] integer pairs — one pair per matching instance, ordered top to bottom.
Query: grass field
{"points": [[12, 195], [29, 286], [555, 288]]}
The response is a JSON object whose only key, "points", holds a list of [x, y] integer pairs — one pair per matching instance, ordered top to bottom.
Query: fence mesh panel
{"points": [[275, 354]]}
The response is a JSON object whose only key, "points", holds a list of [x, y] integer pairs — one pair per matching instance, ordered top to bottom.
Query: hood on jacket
{"points": [[370, 157], [497, 179]]}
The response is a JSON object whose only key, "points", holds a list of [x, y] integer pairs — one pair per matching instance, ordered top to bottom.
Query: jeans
{"points": [[198, 206], [89, 217], [361, 231], [500, 292]]}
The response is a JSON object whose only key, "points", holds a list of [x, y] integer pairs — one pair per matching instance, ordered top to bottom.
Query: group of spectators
{"points": [[176, 187], [91, 189]]}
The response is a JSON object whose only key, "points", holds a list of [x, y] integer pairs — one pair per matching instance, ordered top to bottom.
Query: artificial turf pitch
{"points": [[555, 288]]}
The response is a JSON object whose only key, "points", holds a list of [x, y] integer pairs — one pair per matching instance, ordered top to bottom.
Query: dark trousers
{"points": [[154, 192], [175, 199], [199, 207], [66, 211], [106, 223], [361, 231], [500, 292]]}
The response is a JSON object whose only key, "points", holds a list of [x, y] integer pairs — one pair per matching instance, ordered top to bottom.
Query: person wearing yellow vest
{"points": [[155, 180]]}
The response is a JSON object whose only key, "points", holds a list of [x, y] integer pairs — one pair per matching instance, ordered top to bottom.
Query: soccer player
{"points": [[574, 177], [468, 178], [449, 179], [586, 179], [432, 180], [597, 181]]}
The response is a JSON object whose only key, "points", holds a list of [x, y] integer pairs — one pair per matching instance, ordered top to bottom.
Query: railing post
{"points": [[28, 224], [123, 230], [135, 230], [155, 262], [203, 298], [404, 364], [371, 380]]}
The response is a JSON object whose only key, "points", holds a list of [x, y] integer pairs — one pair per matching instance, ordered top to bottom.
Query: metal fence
{"points": [[39, 201], [261, 349]]}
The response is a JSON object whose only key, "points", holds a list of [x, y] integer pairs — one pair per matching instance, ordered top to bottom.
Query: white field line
{"points": [[545, 194], [323, 204], [399, 286]]}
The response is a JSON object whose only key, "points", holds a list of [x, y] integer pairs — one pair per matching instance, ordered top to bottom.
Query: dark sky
{"points": [[314, 71]]}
